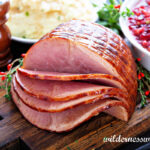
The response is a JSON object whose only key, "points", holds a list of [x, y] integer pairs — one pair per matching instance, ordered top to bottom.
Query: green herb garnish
{"points": [[94, 5], [27, 13], [109, 15], [58, 17], [24, 36], [7, 77], [143, 84], [68, 148]]}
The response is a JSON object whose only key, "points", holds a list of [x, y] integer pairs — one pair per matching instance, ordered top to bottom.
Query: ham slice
{"points": [[103, 79], [58, 90], [66, 91], [56, 106], [69, 119]]}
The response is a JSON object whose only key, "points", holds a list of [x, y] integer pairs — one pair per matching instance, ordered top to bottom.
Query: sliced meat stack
{"points": [[72, 74]]}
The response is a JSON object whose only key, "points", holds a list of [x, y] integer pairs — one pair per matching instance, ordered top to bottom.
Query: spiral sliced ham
{"points": [[73, 73], [103, 79], [58, 90], [64, 91], [56, 106], [68, 119]]}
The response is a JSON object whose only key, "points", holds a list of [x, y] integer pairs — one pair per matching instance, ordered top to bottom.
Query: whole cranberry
{"points": [[148, 2]]}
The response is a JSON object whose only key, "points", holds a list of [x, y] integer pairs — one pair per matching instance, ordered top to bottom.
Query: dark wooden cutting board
{"points": [[16, 133]]}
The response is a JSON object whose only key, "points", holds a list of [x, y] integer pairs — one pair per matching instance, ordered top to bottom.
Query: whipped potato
{"points": [[32, 19]]}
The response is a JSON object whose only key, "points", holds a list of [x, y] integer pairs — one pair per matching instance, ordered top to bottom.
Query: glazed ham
{"points": [[73, 73], [103, 79], [61, 90], [56, 106], [68, 119]]}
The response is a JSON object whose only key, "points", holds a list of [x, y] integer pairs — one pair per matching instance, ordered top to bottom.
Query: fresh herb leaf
{"points": [[112, 2], [94, 5], [27, 13], [127, 13], [109, 15], [58, 17], [24, 36], [8, 77], [143, 84], [3, 87], [8, 96], [76, 141], [68, 148]]}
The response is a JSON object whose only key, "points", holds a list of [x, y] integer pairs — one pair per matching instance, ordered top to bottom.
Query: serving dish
{"points": [[23, 40], [32, 41], [138, 50]]}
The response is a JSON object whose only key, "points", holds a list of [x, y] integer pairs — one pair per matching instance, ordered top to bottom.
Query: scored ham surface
{"points": [[83, 47], [73, 73], [67, 120]]}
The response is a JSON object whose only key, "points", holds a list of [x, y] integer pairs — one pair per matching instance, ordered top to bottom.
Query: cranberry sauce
{"points": [[139, 24]]}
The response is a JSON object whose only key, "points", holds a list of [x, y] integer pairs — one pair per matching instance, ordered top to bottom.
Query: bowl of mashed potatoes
{"points": [[30, 20]]}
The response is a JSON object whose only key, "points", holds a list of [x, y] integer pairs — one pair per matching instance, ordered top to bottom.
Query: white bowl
{"points": [[23, 40], [32, 41], [138, 50]]}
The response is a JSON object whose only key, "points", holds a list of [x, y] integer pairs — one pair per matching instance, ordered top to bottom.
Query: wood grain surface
{"points": [[16, 133]]}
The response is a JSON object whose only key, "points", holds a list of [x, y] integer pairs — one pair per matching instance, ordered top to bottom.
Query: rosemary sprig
{"points": [[7, 77], [143, 84]]}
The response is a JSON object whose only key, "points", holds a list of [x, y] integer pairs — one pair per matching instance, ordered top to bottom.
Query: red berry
{"points": [[148, 2], [117, 6], [142, 7], [136, 12], [144, 12], [130, 18], [139, 24], [132, 27], [139, 31], [145, 36], [145, 43], [23, 55], [138, 59], [9, 66], [2, 73], [142, 74], [139, 77], [3, 78], [147, 93]]}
